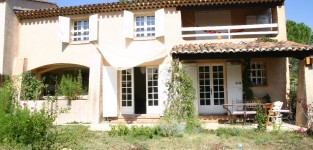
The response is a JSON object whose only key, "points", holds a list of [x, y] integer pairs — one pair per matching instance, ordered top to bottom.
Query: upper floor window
{"points": [[145, 26], [80, 30], [258, 73]]}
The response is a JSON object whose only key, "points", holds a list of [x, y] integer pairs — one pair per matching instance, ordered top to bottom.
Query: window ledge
{"points": [[144, 38], [79, 42]]}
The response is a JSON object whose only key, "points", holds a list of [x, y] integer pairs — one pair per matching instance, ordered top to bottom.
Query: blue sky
{"points": [[296, 10]]}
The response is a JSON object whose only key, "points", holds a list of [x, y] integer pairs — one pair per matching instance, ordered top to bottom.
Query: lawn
{"points": [[79, 137]]}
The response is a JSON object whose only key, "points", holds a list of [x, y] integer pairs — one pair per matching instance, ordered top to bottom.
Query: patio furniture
{"points": [[240, 112], [274, 113], [286, 114]]}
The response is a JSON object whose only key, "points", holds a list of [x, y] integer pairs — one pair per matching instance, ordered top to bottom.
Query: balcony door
{"points": [[212, 18], [211, 89]]}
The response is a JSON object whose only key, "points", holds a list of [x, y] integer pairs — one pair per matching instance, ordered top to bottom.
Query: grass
{"points": [[79, 137]]}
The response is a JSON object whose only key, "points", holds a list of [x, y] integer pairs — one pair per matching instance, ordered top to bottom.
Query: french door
{"points": [[211, 89], [128, 90]]}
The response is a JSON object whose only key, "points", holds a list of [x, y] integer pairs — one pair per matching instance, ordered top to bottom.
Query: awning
{"points": [[242, 50]]}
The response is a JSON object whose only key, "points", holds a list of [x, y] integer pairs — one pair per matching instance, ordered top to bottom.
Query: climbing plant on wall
{"points": [[246, 81], [181, 97]]}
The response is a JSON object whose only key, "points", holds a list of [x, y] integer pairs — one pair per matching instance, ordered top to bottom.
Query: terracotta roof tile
{"points": [[133, 5], [229, 47]]}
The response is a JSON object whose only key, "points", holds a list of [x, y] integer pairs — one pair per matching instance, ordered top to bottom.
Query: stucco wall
{"points": [[2, 24], [40, 44], [276, 72], [304, 94], [70, 111]]}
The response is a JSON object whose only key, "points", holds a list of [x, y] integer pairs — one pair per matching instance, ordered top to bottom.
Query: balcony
{"points": [[229, 23], [229, 32]]}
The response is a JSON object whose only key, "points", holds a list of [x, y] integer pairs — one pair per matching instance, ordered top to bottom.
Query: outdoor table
{"points": [[245, 112]]}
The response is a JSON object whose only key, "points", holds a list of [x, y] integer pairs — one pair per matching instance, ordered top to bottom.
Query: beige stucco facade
{"points": [[10, 27], [34, 45]]}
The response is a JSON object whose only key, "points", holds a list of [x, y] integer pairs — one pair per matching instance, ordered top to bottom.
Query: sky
{"points": [[296, 10]]}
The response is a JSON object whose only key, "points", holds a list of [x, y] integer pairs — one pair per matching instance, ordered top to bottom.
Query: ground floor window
{"points": [[258, 73]]}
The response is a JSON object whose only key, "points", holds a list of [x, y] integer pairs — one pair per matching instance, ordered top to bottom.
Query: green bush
{"points": [[31, 87], [70, 87], [6, 97], [261, 118], [171, 128], [119, 130], [148, 132]]}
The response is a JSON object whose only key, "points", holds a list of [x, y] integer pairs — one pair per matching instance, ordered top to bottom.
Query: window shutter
{"points": [[159, 22], [129, 24], [93, 27], [64, 29], [192, 71], [109, 96]]}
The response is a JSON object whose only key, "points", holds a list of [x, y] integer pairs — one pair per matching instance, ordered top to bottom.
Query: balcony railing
{"points": [[229, 31]]}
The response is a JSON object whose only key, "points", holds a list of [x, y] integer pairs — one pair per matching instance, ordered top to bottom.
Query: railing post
{"points": [[228, 33]]}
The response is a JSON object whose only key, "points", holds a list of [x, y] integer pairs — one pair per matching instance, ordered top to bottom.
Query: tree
{"points": [[300, 33]]}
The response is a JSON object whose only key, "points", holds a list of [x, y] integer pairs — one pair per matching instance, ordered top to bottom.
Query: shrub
{"points": [[31, 87], [70, 87], [6, 97], [261, 118], [20, 126], [171, 128], [119, 130], [148, 132]]}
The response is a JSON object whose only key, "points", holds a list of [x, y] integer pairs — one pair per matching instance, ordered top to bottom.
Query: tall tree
{"points": [[299, 32]]}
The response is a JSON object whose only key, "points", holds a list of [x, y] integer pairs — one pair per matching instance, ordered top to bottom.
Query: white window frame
{"points": [[145, 27], [81, 31], [260, 78], [153, 86], [127, 109]]}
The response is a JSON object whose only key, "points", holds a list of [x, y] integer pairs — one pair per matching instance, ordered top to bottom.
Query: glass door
{"points": [[211, 89], [127, 97]]}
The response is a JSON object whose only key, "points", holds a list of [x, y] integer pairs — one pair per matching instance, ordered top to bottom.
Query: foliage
{"points": [[299, 32], [266, 39], [246, 81], [31, 87], [70, 87], [181, 96], [6, 97], [261, 118], [21, 126], [171, 128], [119, 130]]}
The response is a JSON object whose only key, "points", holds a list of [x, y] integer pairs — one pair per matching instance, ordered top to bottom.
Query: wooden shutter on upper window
{"points": [[159, 22], [129, 24], [93, 27], [64, 29], [109, 97]]}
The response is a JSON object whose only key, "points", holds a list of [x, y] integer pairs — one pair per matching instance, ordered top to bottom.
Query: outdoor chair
{"points": [[274, 114]]}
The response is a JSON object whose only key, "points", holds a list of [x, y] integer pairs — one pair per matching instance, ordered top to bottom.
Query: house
{"points": [[124, 51]]}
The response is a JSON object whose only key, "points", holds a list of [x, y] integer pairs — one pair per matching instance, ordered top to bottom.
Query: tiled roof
{"points": [[133, 5], [210, 48]]}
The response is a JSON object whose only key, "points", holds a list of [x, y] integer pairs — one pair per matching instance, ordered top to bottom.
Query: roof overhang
{"points": [[133, 5], [241, 50]]}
